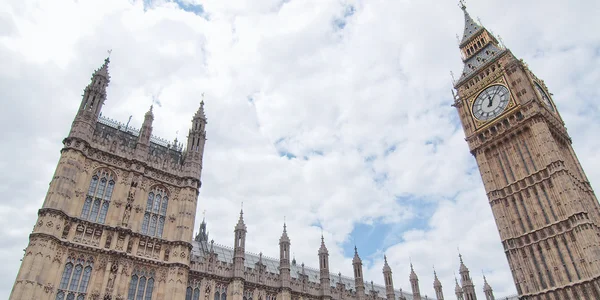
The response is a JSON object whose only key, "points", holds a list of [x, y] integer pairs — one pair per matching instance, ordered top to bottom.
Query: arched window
{"points": [[98, 196], [156, 212], [75, 278], [141, 285], [220, 292]]}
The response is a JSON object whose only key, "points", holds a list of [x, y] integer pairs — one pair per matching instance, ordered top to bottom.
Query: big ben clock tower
{"points": [[545, 209]]}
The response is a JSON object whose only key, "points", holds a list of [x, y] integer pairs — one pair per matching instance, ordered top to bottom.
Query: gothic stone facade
{"points": [[544, 207], [118, 219]]}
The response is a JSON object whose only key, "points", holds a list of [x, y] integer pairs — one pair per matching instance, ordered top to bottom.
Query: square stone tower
{"points": [[118, 218]]}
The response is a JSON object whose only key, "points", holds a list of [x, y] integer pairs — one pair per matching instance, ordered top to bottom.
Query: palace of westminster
{"points": [[118, 219]]}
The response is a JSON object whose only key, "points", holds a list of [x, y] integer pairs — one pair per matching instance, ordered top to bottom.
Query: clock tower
{"points": [[545, 209]]}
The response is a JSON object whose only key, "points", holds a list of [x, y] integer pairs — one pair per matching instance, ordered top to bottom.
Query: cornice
{"points": [[119, 229], [111, 253]]}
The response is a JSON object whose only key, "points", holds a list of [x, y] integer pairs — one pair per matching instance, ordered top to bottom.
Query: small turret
{"points": [[93, 98], [146, 130], [195, 143], [239, 248], [284, 259], [324, 270], [358, 275], [387, 278], [465, 279], [414, 283], [437, 286], [458, 290], [487, 290]]}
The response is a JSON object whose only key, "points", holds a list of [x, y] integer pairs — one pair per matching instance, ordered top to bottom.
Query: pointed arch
{"points": [[97, 200], [156, 211], [75, 278], [141, 285]]}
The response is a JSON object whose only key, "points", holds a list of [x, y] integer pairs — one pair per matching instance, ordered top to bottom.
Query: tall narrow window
{"points": [[97, 200], [156, 212], [75, 278], [141, 285], [220, 292]]}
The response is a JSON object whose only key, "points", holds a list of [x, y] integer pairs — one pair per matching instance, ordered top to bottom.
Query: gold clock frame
{"points": [[512, 104]]}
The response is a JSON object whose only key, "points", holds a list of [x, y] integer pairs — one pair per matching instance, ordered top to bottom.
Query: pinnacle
{"points": [[471, 27], [103, 70], [240, 225]]}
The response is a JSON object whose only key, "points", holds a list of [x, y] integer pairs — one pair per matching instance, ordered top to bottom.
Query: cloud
{"points": [[334, 114]]}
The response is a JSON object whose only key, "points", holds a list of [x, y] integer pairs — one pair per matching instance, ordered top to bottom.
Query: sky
{"points": [[332, 114]]}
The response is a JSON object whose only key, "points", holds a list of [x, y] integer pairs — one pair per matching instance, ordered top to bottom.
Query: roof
{"points": [[471, 27], [475, 62], [225, 254]]}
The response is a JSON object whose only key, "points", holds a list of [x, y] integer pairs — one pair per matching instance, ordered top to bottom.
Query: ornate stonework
{"points": [[545, 209]]}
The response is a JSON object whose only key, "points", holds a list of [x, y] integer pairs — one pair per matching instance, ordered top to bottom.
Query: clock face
{"points": [[545, 97], [491, 102]]}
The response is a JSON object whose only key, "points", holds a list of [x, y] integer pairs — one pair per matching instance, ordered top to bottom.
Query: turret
{"points": [[93, 98], [146, 130], [195, 143], [202, 235], [239, 248], [284, 259], [324, 270], [358, 275], [387, 278], [465, 279], [414, 284], [437, 286], [458, 290], [487, 290]]}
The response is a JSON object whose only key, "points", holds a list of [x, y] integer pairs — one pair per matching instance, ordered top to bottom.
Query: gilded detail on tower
{"points": [[545, 210]]}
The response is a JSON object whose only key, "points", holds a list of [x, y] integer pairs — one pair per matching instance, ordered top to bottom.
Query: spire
{"points": [[471, 27], [103, 70], [200, 112], [149, 114], [146, 130], [240, 224], [202, 233], [284, 236], [323, 248], [356, 258], [386, 267], [463, 268], [413, 275], [436, 280], [486, 285], [457, 287], [487, 290]]}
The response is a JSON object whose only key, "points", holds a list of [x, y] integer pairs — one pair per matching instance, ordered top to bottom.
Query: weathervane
{"points": [[109, 52], [452, 75], [204, 214]]}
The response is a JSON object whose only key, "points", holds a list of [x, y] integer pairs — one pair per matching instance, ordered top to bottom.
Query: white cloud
{"points": [[336, 96]]}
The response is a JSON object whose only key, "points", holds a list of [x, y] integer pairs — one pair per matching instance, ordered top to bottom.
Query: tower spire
{"points": [[471, 27], [92, 101], [387, 277], [414, 283]]}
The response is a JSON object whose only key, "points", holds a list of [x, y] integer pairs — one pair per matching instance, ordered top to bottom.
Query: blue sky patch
{"points": [[197, 9], [368, 238]]}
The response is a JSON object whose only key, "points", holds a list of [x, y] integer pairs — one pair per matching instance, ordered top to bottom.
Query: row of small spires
{"points": [[148, 117], [240, 226]]}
